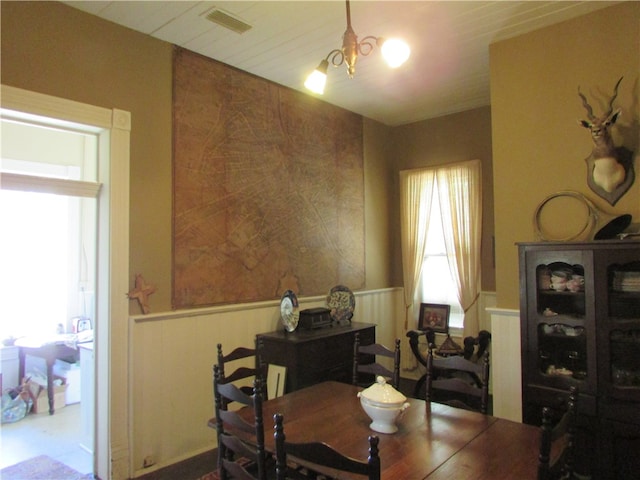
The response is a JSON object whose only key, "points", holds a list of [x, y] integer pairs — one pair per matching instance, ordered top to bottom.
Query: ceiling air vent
{"points": [[227, 20]]}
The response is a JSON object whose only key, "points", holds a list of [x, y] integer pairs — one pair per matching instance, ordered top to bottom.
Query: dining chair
{"points": [[474, 348], [236, 360], [375, 368], [458, 382], [559, 438], [314, 457], [239, 458]]}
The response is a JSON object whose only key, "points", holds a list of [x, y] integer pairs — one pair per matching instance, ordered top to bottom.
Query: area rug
{"points": [[41, 468], [210, 476]]}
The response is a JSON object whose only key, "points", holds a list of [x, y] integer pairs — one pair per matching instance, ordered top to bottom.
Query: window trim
{"points": [[58, 186]]}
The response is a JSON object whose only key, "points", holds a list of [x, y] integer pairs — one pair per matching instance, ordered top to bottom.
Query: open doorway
{"points": [[112, 128], [48, 253]]}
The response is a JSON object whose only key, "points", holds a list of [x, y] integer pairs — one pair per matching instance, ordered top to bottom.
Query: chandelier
{"points": [[395, 52]]}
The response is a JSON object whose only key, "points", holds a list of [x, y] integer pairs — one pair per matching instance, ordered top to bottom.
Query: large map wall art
{"points": [[268, 189]]}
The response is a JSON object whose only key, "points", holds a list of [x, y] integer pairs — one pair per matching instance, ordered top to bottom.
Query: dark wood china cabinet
{"points": [[580, 325]]}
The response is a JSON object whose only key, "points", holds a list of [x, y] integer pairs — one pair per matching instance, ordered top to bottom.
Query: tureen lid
{"points": [[383, 393]]}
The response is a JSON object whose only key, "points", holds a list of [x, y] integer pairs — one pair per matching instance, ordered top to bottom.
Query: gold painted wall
{"points": [[53, 49], [538, 147], [379, 177]]}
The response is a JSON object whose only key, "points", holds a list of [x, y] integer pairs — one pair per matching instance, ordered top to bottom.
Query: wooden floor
{"points": [[191, 469]]}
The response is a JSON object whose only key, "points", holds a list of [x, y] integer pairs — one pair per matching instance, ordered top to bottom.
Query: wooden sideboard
{"points": [[314, 356]]}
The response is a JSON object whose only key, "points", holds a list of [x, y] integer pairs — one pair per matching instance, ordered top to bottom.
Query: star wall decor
{"points": [[141, 292]]}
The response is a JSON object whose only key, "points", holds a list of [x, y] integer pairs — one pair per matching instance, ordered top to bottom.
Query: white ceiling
{"points": [[448, 70]]}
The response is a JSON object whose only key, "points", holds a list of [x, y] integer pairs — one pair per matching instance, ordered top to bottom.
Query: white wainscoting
{"points": [[171, 359], [505, 364]]}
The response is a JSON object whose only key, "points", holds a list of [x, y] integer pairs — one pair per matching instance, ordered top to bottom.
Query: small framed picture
{"points": [[434, 316]]}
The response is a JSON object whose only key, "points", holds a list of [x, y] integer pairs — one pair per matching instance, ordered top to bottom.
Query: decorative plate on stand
{"points": [[341, 302], [289, 311]]}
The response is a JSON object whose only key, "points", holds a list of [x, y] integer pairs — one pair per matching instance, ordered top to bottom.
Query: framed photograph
{"points": [[434, 316]]}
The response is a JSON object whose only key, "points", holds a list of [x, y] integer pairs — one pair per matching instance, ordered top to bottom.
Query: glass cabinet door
{"points": [[620, 326], [561, 330], [559, 344]]}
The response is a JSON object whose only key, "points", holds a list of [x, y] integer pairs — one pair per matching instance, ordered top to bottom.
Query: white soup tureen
{"points": [[383, 404]]}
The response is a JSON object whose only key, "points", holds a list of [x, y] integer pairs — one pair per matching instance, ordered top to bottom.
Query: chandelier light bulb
{"points": [[395, 52], [318, 78]]}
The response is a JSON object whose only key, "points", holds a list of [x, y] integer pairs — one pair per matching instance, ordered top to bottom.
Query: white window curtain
{"points": [[460, 188], [416, 193], [460, 196]]}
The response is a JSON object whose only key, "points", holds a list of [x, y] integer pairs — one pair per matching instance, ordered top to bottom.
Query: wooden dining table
{"points": [[433, 441]]}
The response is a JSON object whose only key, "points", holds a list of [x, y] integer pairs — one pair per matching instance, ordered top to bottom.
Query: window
{"points": [[441, 222], [40, 277], [436, 284]]}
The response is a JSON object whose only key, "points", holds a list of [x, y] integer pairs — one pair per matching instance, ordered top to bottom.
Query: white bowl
{"points": [[383, 404]]}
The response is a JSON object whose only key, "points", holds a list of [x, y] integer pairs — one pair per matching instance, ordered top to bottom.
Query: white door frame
{"points": [[112, 455]]}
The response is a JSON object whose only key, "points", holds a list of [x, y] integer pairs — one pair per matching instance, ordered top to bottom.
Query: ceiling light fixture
{"points": [[394, 51]]}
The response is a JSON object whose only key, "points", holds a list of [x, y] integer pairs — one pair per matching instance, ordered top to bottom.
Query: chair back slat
{"points": [[376, 349], [236, 354], [457, 363], [375, 368], [241, 373], [458, 378], [457, 385], [232, 393], [232, 419], [237, 446]]}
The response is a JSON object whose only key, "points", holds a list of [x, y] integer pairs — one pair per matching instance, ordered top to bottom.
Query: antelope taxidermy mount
{"points": [[609, 168]]}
